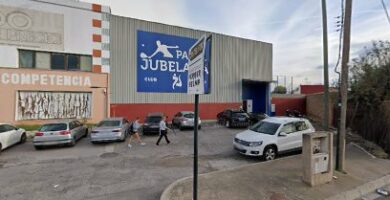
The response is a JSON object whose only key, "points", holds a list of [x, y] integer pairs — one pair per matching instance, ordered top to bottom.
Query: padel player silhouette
{"points": [[161, 48]]}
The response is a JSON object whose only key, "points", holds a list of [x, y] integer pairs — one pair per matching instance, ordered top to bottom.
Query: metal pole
{"points": [[326, 73], [344, 84], [292, 85], [195, 181]]}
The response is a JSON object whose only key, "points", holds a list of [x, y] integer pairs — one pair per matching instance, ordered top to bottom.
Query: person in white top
{"points": [[163, 131], [134, 132]]}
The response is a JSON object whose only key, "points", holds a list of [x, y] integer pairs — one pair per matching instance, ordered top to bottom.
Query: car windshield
{"points": [[240, 114], [189, 115], [153, 119], [109, 123], [53, 127], [265, 127]]}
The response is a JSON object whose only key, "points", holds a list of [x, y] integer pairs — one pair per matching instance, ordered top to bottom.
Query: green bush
{"points": [[280, 90], [29, 127]]}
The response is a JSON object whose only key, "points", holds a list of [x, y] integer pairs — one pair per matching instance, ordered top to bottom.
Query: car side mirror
{"points": [[282, 134]]}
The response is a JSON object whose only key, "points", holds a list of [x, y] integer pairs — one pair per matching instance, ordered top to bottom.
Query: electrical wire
{"points": [[386, 12], [340, 38]]}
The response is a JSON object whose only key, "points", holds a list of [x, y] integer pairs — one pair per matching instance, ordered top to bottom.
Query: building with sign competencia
{"points": [[70, 59], [54, 61], [149, 62]]}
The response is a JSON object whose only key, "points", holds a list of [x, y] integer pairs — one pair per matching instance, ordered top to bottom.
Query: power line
{"points": [[385, 9], [340, 36]]}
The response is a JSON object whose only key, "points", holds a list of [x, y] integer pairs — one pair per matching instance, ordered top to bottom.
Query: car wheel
{"points": [[227, 124], [86, 133], [127, 133], [23, 138], [124, 138], [73, 142], [1, 147], [38, 147], [269, 153]]}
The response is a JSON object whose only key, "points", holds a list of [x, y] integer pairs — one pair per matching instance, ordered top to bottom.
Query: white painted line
{"points": [[361, 148]]}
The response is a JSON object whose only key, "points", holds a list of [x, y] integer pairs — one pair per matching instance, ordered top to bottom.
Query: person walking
{"points": [[134, 129], [163, 131]]}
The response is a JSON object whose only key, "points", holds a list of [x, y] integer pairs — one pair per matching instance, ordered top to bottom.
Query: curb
{"points": [[362, 190], [166, 193], [352, 194]]}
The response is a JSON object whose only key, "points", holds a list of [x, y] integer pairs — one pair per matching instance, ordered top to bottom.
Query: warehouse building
{"points": [[148, 56], [71, 59], [54, 61]]}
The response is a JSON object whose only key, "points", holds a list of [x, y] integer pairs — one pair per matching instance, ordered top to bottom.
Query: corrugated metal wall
{"points": [[233, 59]]}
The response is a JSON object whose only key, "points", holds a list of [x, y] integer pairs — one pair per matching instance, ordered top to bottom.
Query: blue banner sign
{"points": [[162, 62]]}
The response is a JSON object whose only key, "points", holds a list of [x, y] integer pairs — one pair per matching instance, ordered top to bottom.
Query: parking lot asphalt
{"points": [[112, 170]]}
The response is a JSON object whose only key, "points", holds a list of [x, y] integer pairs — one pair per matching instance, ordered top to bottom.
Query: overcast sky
{"points": [[294, 27]]}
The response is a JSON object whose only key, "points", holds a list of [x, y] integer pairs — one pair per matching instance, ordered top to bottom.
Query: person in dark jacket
{"points": [[163, 131]]}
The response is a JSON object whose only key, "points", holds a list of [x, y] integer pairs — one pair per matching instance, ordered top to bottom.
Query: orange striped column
{"points": [[101, 39]]}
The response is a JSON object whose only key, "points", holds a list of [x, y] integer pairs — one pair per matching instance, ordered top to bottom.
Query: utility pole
{"points": [[326, 73], [292, 85], [344, 85]]}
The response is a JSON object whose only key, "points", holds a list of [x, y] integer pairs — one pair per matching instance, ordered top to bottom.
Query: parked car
{"points": [[293, 113], [256, 117], [233, 118], [185, 119], [152, 123], [111, 129], [66, 132], [10, 135], [272, 136]]}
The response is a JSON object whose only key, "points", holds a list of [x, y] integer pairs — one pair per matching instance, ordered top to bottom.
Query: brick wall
{"points": [[311, 89], [291, 102], [315, 106]]}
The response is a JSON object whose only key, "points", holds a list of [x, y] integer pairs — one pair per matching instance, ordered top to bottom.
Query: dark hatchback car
{"points": [[256, 117], [233, 118], [152, 123]]}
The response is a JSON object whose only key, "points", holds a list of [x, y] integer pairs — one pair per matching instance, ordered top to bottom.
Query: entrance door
{"points": [[258, 93]]}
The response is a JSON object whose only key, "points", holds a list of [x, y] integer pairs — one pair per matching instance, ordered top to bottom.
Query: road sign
{"points": [[162, 62], [197, 68], [198, 83]]}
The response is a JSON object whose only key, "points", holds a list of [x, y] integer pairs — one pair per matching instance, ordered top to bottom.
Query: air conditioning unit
{"points": [[321, 162]]}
